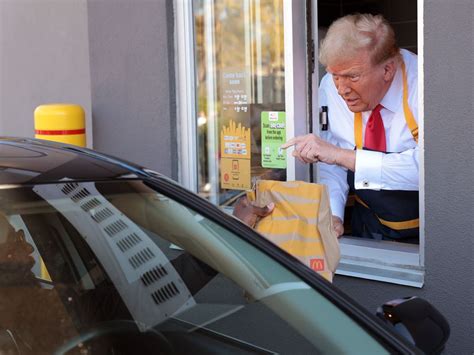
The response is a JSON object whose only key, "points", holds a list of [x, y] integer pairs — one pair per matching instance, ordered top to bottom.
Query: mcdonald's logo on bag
{"points": [[317, 264]]}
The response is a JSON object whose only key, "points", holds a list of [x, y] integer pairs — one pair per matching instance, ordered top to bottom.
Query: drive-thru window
{"points": [[248, 82]]}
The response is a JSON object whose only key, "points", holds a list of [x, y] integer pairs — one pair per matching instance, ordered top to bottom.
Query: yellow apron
{"points": [[413, 126]]}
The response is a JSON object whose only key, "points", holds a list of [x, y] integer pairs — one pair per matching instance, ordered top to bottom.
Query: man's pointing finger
{"points": [[290, 143]]}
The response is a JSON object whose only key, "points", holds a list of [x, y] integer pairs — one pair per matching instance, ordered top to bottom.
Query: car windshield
{"points": [[116, 267]]}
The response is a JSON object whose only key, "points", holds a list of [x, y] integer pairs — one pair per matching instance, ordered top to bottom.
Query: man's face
{"points": [[361, 84]]}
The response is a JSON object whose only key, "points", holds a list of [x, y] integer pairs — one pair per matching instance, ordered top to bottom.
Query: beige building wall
{"points": [[44, 58]]}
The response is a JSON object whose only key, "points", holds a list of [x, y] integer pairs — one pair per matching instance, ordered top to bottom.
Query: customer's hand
{"points": [[248, 213], [338, 226]]}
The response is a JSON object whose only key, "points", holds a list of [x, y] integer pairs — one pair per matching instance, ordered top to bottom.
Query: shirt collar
{"points": [[393, 98]]}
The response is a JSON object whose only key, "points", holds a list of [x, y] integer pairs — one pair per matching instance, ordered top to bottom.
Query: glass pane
{"points": [[240, 79], [116, 286]]}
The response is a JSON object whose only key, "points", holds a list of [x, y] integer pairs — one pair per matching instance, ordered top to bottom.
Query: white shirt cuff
{"points": [[368, 170]]}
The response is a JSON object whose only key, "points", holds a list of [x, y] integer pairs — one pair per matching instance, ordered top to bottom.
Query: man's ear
{"points": [[389, 69]]}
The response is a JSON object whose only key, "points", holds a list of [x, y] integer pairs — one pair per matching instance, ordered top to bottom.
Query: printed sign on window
{"points": [[273, 136], [235, 157], [235, 174]]}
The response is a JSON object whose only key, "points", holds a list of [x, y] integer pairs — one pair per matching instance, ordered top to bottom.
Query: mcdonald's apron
{"points": [[386, 214]]}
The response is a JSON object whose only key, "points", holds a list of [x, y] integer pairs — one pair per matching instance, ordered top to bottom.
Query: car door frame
{"points": [[374, 326]]}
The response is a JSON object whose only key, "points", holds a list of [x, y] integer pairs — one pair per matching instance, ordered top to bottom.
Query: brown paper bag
{"points": [[301, 222]]}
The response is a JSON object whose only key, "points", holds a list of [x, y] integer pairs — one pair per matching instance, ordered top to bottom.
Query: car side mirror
{"points": [[418, 321]]}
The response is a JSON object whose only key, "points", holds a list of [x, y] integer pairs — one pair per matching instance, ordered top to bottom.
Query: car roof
{"points": [[33, 161]]}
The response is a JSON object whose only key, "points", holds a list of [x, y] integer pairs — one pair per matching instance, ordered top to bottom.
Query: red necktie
{"points": [[375, 131]]}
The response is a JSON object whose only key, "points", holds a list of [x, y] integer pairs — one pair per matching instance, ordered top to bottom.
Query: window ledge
{"points": [[384, 261]]}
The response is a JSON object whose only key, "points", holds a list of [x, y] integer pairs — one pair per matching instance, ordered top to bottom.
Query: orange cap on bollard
{"points": [[61, 123]]}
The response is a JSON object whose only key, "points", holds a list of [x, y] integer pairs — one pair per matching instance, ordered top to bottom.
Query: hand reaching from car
{"points": [[248, 213]]}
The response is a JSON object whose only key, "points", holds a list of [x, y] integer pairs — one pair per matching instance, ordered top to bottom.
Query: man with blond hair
{"points": [[370, 147]]}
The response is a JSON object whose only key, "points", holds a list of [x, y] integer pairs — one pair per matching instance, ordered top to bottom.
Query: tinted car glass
{"points": [[118, 267]]}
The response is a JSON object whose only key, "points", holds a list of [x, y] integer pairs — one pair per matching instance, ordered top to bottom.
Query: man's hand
{"points": [[311, 149], [249, 213], [338, 226]]}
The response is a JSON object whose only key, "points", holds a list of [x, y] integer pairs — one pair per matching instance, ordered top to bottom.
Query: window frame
{"points": [[186, 95], [359, 259], [399, 263]]}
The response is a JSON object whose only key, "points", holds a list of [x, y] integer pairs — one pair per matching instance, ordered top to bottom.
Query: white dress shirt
{"points": [[373, 170]]}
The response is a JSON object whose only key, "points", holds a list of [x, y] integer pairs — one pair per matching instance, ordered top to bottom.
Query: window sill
{"points": [[384, 261]]}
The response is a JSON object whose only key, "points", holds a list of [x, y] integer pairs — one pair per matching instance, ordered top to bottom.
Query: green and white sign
{"points": [[273, 136]]}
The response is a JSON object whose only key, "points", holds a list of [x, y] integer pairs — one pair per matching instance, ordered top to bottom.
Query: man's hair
{"points": [[351, 34]]}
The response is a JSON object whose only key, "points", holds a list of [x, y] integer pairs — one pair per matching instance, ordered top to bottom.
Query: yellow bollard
{"points": [[61, 123]]}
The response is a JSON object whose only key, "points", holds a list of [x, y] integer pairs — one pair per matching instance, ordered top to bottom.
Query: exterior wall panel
{"points": [[44, 58], [132, 79]]}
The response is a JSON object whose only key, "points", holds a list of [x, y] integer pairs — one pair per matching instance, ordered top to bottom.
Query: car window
{"points": [[104, 265]]}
